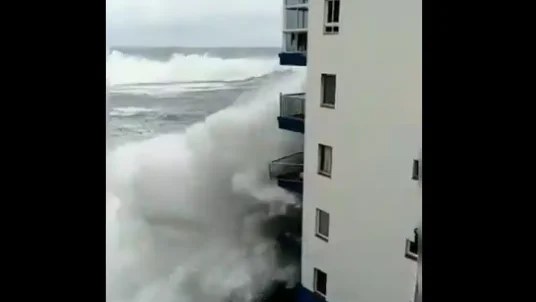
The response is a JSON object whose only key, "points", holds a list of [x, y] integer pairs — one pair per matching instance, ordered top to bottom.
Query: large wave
{"points": [[132, 73], [180, 224]]}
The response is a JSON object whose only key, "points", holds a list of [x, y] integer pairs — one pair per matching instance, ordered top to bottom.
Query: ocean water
{"points": [[164, 90], [188, 197]]}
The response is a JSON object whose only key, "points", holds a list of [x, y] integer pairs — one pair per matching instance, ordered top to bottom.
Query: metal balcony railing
{"points": [[292, 105], [288, 168]]}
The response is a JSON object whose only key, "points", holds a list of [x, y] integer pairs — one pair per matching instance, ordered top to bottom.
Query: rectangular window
{"points": [[331, 18], [296, 19], [295, 42], [329, 85], [325, 160], [415, 174], [322, 224], [412, 247], [411, 250], [320, 282]]}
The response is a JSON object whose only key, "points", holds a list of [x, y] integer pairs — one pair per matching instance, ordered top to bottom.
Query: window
{"points": [[296, 19], [331, 19], [296, 42], [329, 82], [324, 160], [415, 174], [322, 224], [412, 247], [321, 280]]}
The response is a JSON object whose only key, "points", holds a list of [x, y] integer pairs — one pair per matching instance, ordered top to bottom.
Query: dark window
{"points": [[332, 11], [336, 11], [331, 29], [296, 42], [302, 42], [329, 86], [325, 160], [415, 174], [322, 224], [412, 247], [321, 280]]}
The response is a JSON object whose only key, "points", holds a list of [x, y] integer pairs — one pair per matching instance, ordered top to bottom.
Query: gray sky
{"points": [[193, 22]]}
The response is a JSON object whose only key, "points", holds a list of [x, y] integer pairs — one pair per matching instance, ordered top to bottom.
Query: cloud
{"points": [[194, 22]]}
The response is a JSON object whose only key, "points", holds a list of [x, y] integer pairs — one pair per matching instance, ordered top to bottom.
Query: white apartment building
{"points": [[360, 171]]}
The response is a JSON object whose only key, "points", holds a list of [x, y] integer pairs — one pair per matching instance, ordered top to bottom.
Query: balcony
{"points": [[296, 4], [296, 16], [294, 52], [292, 112], [288, 171], [290, 245]]}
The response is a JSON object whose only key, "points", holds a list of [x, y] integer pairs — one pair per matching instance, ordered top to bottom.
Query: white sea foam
{"points": [[179, 221]]}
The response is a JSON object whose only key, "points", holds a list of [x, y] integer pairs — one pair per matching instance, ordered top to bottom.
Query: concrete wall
{"points": [[375, 132]]}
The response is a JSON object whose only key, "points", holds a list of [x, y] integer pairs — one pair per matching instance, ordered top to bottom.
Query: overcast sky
{"points": [[193, 22]]}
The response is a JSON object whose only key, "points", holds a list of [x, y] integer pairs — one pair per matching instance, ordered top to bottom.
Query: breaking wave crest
{"points": [[185, 68]]}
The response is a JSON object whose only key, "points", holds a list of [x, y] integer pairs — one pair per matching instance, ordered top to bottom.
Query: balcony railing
{"points": [[296, 22], [292, 105], [292, 112], [288, 168]]}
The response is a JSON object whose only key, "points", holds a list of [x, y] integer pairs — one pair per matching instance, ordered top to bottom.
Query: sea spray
{"points": [[179, 220]]}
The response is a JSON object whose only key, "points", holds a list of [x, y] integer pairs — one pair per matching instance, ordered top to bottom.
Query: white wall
{"points": [[375, 131]]}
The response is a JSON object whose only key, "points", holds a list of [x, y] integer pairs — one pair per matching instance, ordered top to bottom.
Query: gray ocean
{"points": [[162, 90]]}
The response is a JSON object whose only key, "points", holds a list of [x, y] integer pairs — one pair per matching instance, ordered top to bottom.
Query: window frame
{"points": [[331, 28], [323, 83], [322, 160], [415, 175], [318, 220], [408, 253], [315, 282]]}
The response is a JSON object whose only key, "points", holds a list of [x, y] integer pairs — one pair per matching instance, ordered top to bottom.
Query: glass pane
{"points": [[330, 11], [336, 11], [296, 19], [291, 42], [302, 42], [329, 86], [327, 160], [323, 223], [321, 281]]}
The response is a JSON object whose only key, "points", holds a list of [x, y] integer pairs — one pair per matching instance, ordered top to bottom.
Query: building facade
{"points": [[361, 119]]}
